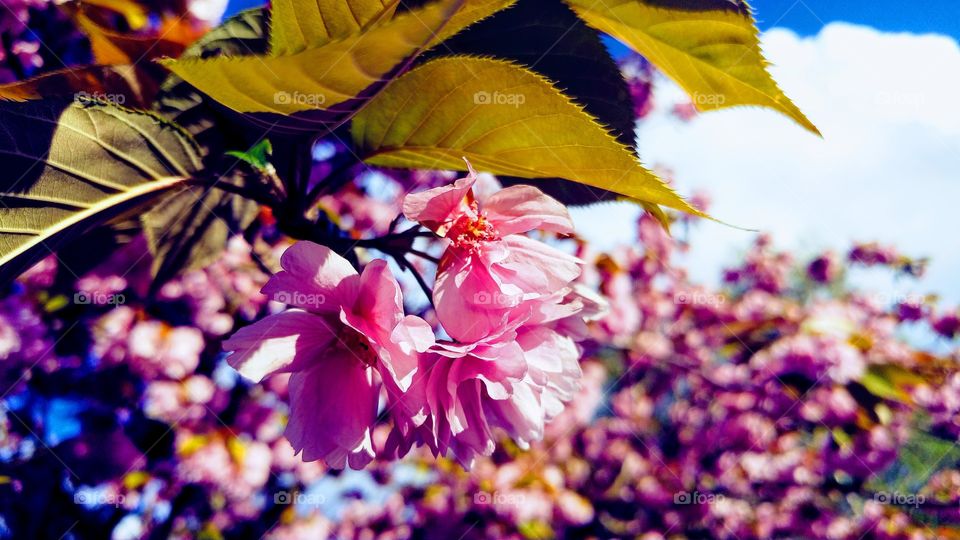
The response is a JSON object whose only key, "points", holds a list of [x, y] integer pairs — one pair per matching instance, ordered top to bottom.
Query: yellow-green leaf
{"points": [[134, 13], [297, 25], [112, 47], [713, 53], [325, 76], [130, 85], [506, 120], [71, 166], [889, 381]]}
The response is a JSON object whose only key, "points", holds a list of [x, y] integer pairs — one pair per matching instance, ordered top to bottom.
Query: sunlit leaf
{"points": [[134, 13], [298, 25], [547, 37], [111, 47], [709, 47], [327, 76], [124, 85], [506, 120], [213, 126], [257, 156], [69, 166], [889, 381]]}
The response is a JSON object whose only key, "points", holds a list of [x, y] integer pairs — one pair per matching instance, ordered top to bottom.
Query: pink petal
{"points": [[434, 207], [518, 209], [537, 267], [313, 278], [468, 299], [379, 301], [412, 336], [281, 343], [553, 359], [554, 362], [506, 365], [333, 408], [521, 415], [473, 435]]}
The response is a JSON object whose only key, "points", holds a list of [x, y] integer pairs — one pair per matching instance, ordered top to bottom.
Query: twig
{"points": [[424, 255], [417, 276]]}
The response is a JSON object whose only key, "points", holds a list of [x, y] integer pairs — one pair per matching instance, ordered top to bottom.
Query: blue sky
{"points": [[807, 17], [882, 91]]}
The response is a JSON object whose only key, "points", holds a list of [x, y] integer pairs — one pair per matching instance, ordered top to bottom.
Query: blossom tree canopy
{"points": [[247, 293]]}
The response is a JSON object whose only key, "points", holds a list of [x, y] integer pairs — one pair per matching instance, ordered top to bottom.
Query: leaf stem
{"points": [[243, 191]]}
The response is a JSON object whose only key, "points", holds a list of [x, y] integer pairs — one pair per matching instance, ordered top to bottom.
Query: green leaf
{"points": [[298, 25], [547, 37], [110, 46], [708, 47], [338, 76], [131, 86], [506, 120], [212, 125], [258, 156], [69, 167], [189, 229], [889, 381], [918, 459]]}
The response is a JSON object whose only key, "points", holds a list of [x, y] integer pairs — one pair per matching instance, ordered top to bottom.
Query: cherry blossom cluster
{"points": [[504, 303]]}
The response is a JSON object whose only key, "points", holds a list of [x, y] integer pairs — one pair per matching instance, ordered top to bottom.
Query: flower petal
{"points": [[438, 206], [518, 209], [537, 267], [313, 278], [379, 301], [469, 303], [412, 336], [281, 343], [553, 359], [498, 374], [333, 409], [521, 415]]}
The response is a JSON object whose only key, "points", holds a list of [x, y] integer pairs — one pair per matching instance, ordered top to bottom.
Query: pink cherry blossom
{"points": [[491, 272], [345, 335], [515, 381]]}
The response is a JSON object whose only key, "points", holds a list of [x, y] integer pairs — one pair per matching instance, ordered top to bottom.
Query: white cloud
{"points": [[888, 168]]}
